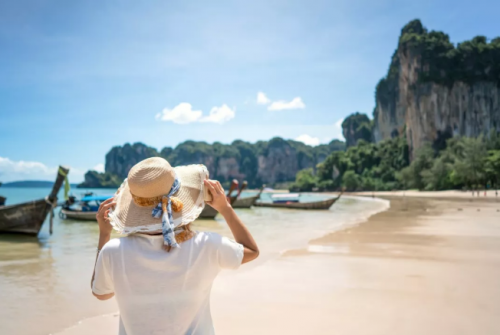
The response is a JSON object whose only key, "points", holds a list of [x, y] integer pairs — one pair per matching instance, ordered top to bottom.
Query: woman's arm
{"points": [[105, 229], [240, 232]]}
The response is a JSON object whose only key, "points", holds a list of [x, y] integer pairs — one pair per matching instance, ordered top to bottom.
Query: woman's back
{"points": [[162, 281], [162, 292]]}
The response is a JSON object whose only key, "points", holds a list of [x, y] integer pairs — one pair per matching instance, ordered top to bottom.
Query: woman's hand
{"points": [[219, 199], [105, 227]]}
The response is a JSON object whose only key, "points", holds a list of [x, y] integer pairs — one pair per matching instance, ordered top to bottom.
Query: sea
{"points": [[45, 280]]}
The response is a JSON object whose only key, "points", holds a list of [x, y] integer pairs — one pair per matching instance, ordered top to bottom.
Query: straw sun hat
{"points": [[156, 197]]}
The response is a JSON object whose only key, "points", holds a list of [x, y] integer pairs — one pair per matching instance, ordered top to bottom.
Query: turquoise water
{"points": [[22, 194], [18, 195], [45, 280]]}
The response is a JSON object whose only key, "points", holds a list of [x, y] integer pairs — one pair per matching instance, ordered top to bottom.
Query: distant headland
{"points": [[31, 183]]}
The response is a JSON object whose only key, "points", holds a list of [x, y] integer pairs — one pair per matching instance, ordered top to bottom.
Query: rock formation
{"points": [[434, 90], [356, 127], [120, 159], [280, 161], [266, 162], [94, 179]]}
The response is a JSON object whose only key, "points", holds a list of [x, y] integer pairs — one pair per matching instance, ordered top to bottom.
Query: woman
{"points": [[162, 272]]}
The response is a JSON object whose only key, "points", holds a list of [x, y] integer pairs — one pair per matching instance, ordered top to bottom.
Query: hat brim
{"points": [[127, 217]]}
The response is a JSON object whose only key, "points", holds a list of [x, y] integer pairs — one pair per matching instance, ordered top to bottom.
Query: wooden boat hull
{"points": [[245, 202], [323, 204], [208, 212], [75, 215], [28, 217], [24, 218]]}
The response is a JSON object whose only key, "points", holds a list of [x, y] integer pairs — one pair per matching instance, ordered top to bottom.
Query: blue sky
{"points": [[78, 77]]}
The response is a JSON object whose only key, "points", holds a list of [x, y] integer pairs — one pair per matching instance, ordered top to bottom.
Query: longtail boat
{"points": [[247, 202], [322, 204], [85, 209], [208, 212], [28, 217]]}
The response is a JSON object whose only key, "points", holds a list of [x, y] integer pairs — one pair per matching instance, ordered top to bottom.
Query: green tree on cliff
{"points": [[470, 61], [375, 166], [469, 167], [492, 168], [412, 176], [305, 181], [351, 181]]}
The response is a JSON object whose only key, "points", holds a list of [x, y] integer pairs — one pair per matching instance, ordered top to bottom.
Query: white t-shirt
{"points": [[161, 292]]}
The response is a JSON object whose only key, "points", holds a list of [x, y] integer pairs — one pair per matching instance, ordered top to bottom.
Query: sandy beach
{"points": [[489, 195], [425, 265]]}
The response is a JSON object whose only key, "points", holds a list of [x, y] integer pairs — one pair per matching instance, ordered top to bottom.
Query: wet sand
{"points": [[423, 266]]}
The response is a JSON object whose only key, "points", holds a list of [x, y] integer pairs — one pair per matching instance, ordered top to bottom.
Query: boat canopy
{"points": [[285, 195], [96, 198]]}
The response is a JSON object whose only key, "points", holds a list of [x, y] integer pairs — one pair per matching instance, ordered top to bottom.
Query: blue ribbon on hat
{"points": [[167, 221]]}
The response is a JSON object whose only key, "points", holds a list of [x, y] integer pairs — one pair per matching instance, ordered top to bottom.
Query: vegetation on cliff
{"points": [[443, 62], [356, 127], [263, 162], [465, 163], [365, 166], [94, 179]]}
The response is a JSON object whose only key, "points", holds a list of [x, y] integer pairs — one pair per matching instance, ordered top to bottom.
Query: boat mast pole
{"points": [[61, 175], [234, 186], [243, 186]]}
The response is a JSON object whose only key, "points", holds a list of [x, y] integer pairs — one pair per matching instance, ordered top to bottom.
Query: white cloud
{"points": [[262, 99], [296, 103], [182, 113], [219, 115], [338, 124], [331, 131], [337, 131], [309, 140], [8, 166], [99, 167], [25, 170]]}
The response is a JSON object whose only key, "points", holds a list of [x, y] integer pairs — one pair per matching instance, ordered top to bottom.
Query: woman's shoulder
{"points": [[208, 238], [112, 245]]}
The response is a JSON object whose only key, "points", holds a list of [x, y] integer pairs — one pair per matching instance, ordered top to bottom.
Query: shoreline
{"points": [[490, 195], [419, 266]]}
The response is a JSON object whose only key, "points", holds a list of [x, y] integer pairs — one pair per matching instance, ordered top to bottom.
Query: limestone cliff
{"points": [[434, 90], [120, 159], [280, 161], [266, 162]]}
